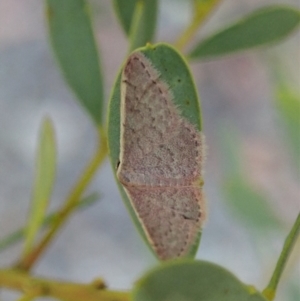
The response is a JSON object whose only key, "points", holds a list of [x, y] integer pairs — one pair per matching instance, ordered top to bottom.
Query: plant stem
{"points": [[201, 11], [19, 234], [28, 260], [67, 291], [270, 291], [27, 298]]}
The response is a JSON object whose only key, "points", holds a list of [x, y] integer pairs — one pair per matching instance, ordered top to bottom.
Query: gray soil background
{"points": [[236, 92]]}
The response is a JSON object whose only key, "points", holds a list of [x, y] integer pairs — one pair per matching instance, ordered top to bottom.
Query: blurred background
{"points": [[252, 168]]}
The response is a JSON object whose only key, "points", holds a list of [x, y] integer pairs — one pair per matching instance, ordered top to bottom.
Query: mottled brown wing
{"points": [[158, 146], [170, 216]]}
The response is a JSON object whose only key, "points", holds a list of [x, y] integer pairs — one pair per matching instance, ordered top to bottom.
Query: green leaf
{"points": [[125, 12], [138, 19], [143, 23], [264, 26], [74, 45], [175, 72], [288, 104], [44, 181], [250, 206], [19, 234], [186, 280]]}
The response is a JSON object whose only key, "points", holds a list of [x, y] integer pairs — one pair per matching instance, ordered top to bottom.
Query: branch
{"points": [[202, 9], [29, 259], [67, 291], [270, 291]]}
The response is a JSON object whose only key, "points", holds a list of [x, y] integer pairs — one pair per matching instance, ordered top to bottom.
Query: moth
{"points": [[161, 161]]}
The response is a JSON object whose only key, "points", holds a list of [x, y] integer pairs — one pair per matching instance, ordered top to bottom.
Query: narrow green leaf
{"points": [[125, 11], [138, 19], [143, 23], [264, 26], [137, 38], [74, 45], [174, 71], [288, 104], [44, 181], [250, 206], [16, 236], [186, 280]]}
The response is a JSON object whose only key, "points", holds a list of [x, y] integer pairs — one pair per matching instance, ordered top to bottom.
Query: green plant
{"points": [[73, 43]]}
